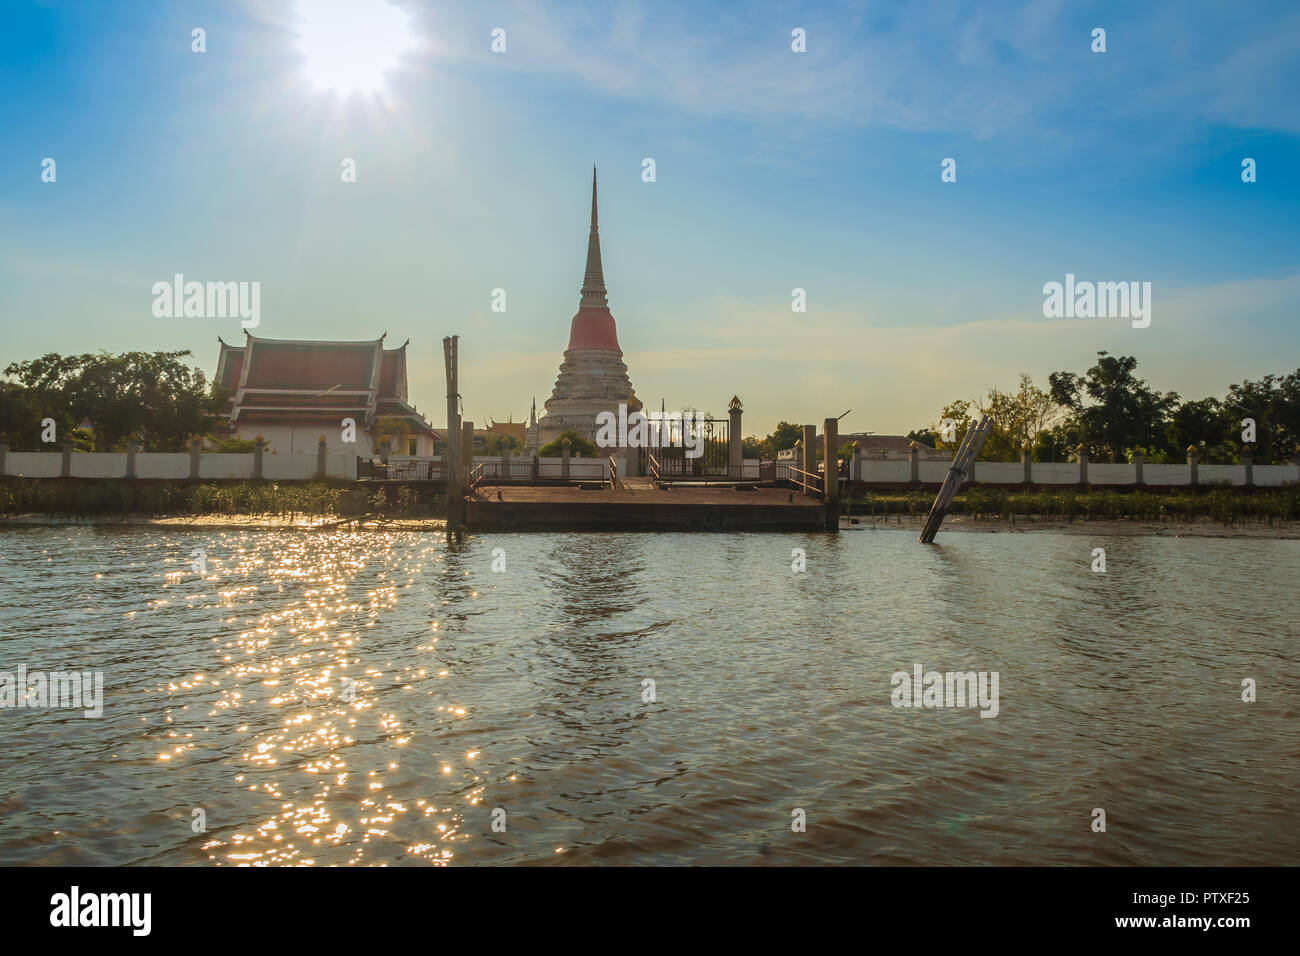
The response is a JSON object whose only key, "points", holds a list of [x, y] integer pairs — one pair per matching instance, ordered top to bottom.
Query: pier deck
{"points": [[641, 507]]}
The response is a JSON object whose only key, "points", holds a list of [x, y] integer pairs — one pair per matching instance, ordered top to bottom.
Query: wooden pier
{"points": [[638, 505]]}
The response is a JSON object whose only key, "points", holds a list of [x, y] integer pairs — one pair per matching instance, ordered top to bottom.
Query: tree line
{"points": [[152, 395], [1108, 409], [1113, 414]]}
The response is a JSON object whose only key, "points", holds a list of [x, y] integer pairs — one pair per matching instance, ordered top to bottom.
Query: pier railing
{"points": [[806, 481]]}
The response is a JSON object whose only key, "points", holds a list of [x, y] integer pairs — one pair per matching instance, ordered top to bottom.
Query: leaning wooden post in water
{"points": [[970, 446]]}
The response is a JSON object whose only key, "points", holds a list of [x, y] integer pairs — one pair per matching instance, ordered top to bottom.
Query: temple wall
{"points": [[284, 439]]}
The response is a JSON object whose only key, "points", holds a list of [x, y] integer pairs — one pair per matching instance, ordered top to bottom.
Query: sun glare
{"points": [[350, 45]]}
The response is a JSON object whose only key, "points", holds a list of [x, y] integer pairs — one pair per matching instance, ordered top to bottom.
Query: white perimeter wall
{"points": [[302, 439], [34, 464], [343, 464]]}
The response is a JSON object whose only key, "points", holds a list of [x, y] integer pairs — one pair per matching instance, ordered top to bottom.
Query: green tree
{"points": [[150, 394], [1274, 403], [1115, 411], [958, 413], [21, 414], [1018, 416], [1207, 424], [392, 432], [785, 436], [497, 443], [579, 446]]}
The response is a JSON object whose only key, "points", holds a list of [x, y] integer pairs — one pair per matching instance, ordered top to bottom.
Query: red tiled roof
{"points": [[278, 378]]}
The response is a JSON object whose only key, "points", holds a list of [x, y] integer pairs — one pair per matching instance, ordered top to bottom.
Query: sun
{"points": [[350, 45]]}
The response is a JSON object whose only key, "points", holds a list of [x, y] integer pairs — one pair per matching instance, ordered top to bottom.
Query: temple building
{"points": [[592, 377], [291, 392]]}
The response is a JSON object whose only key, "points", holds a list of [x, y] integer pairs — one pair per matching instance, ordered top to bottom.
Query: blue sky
{"points": [[775, 170]]}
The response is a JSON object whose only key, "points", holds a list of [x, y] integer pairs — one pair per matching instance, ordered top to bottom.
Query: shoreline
{"points": [[216, 521], [958, 524], [1120, 527]]}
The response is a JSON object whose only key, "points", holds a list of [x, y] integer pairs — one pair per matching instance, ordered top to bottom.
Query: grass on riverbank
{"points": [[316, 498], [1218, 504]]}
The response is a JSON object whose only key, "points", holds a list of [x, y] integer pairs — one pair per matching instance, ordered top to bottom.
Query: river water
{"points": [[375, 698]]}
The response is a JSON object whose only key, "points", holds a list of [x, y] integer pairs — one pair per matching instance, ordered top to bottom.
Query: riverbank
{"points": [[273, 504], [1223, 505], [1210, 512], [225, 521], [911, 524], [1176, 528]]}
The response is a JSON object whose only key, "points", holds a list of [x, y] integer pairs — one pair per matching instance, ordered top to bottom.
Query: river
{"points": [[365, 698]]}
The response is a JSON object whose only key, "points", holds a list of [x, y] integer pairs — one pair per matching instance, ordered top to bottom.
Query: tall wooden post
{"points": [[809, 453], [466, 454], [831, 454], [451, 456]]}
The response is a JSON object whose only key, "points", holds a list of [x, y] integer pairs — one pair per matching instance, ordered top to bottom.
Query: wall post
{"points": [[132, 447], [259, 447], [196, 448], [4, 451], [736, 451], [321, 459], [1193, 459], [1248, 459], [914, 460], [1026, 461], [1138, 461], [1083, 464], [564, 465], [66, 468]]}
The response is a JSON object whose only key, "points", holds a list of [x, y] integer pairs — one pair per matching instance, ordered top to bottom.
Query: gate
{"points": [[668, 447]]}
